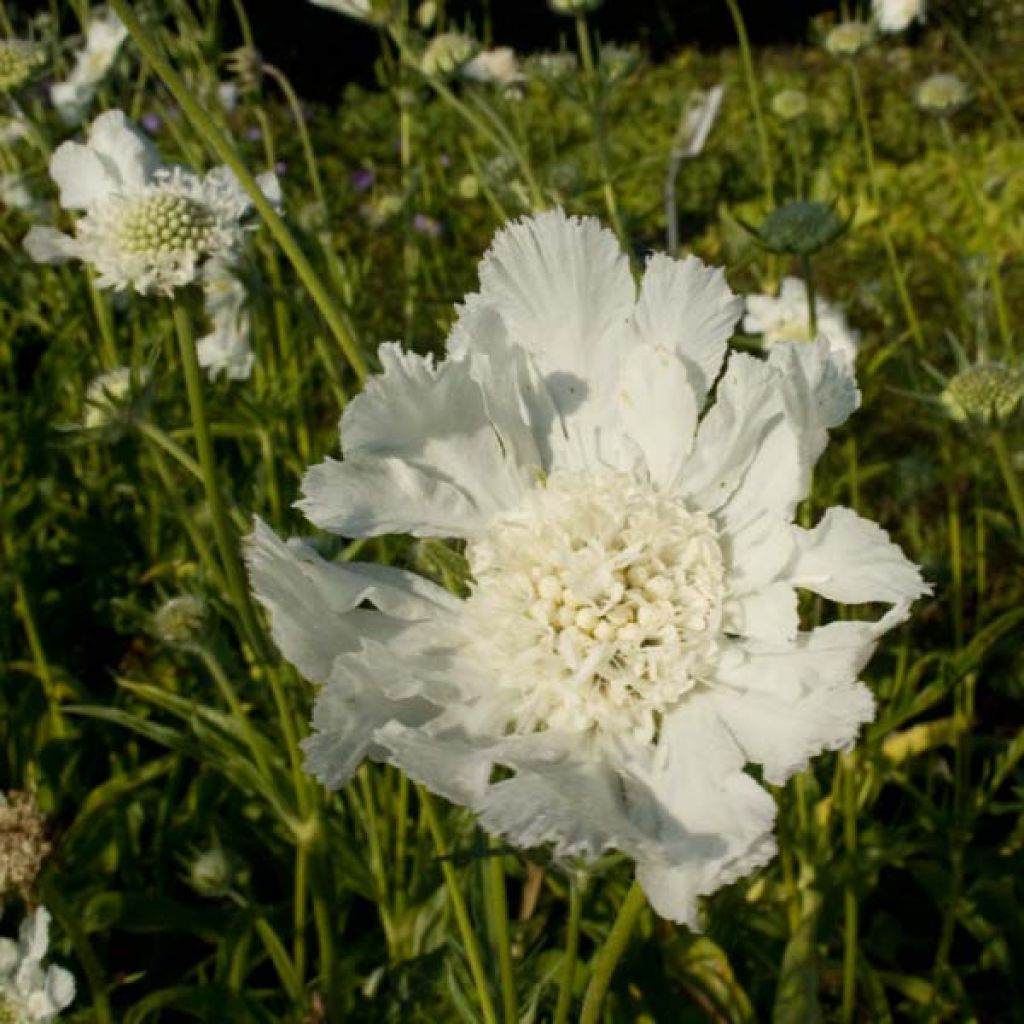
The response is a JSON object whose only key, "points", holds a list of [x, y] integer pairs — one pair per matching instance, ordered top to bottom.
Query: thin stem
{"points": [[982, 72], [595, 96], [755, 100], [220, 145], [812, 300], [913, 323], [108, 349], [1010, 478], [222, 531], [451, 880], [577, 883], [497, 914], [610, 953]]}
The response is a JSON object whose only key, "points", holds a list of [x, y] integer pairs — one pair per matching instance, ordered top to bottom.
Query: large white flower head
{"points": [[896, 15], [103, 40], [143, 226], [786, 317], [629, 637], [30, 992]]}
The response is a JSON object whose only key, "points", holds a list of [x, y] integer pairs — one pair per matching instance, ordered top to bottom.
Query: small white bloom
{"points": [[896, 15], [848, 38], [103, 41], [447, 53], [499, 66], [942, 93], [227, 95], [789, 104], [14, 193], [144, 226], [786, 317], [107, 394], [631, 639], [30, 992]]}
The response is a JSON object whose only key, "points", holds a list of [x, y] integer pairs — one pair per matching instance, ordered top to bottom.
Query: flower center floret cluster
{"points": [[600, 604]]}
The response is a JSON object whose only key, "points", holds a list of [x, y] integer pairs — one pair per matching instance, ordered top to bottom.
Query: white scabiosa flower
{"points": [[896, 15], [848, 38], [103, 40], [943, 93], [143, 226], [786, 317], [630, 639], [30, 992]]}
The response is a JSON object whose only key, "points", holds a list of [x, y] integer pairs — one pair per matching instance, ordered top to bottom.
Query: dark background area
{"points": [[321, 50]]}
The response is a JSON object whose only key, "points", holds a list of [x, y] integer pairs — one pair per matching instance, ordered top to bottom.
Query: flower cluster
{"points": [[19, 60], [630, 638], [23, 844], [29, 992]]}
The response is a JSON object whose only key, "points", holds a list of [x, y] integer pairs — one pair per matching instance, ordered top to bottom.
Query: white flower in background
{"points": [[378, 11], [896, 15], [848, 38], [103, 41], [499, 66], [553, 66], [942, 93], [227, 96], [789, 104], [144, 226], [786, 317], [227, 348], [630, 640], [30, 992]]}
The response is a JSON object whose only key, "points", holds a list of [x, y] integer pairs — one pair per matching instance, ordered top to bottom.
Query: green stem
{"points": [[982, 72], [755, 100], [596, 102], [220, 145], [812, 300], [913, 323], [108, 350], [1010, 478], [222, 531], [451, 880], [577, 883], [497, 915], [850, 920], [610, 953], [91, 965]]}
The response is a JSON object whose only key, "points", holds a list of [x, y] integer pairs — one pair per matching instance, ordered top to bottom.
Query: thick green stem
{"points": [[755, 100], [220, 145], [227, 545], [451, 880], [577, 883], [497, 917], [610, 953]]}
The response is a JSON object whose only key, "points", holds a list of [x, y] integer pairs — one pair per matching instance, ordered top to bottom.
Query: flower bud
{"points": [[943, 93], [801, 228], [989, 394], [181, 621], [210, 873]]}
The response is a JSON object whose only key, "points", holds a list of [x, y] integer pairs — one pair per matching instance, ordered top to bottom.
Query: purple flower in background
{"points": [[152, 123], [253, 133], [281, 167], [363, 179], [427, 226]]}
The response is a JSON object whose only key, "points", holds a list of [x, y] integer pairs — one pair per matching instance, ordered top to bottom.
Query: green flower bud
{"points": [[19, 59], [789, 104], [800, 229], [989, 394], [181, 621], [210, 873]]}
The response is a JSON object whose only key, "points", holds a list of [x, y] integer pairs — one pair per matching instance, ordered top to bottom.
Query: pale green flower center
{"points": [[18, 59], [165, 223], [988, 393], [600, 602]]}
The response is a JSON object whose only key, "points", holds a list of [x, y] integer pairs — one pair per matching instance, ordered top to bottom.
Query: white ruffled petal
{"points": [[129, 157], [81, 175], [688, 308], [746, 408], [434, 418], [371, 497], [847, 558], [314, 604], [768, 614], [785, 703], [712, 823], [60, 987]]}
